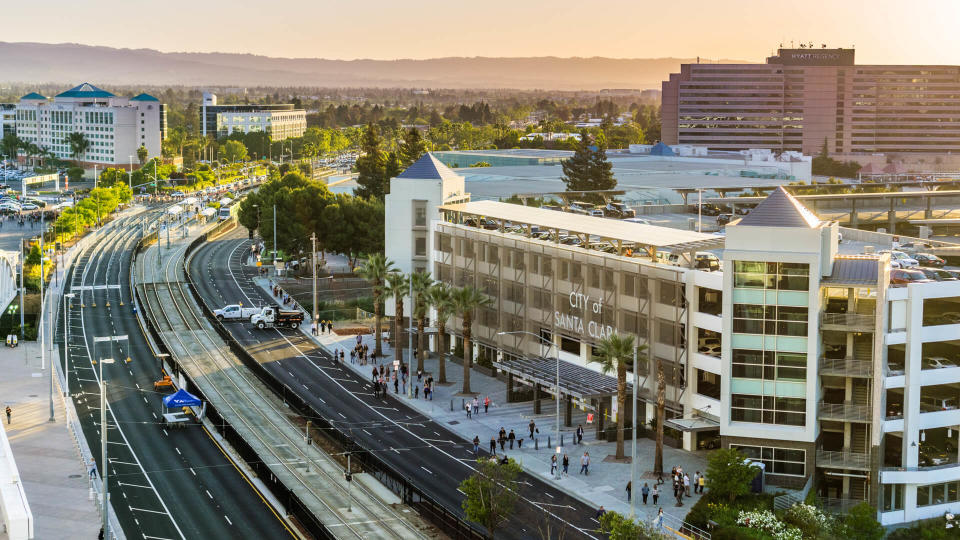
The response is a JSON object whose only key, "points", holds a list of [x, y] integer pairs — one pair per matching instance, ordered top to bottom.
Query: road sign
{"points": [[589, 418]]}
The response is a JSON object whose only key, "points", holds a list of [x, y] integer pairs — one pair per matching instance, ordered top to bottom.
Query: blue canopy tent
{"points": [[181, 399]]}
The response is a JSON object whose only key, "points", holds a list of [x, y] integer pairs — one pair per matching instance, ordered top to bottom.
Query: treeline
{"points": [[299, 207]]}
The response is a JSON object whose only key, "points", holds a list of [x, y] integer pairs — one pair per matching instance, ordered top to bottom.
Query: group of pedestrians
{"points": [[321, 327], [361, 353], [473, 408], [681, 485]]}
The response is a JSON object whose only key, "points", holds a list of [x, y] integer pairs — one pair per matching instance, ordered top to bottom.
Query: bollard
{"points": [[451, 404], [561, 439], [309, 440], [549, 442], [536, 443]]}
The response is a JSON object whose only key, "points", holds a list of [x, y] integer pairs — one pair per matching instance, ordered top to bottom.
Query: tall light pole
{"points": [[130, 175], [274, 234], [313, 260], [409, 335], [66, 343], [557, 356], [633, 439], [103, 448]]}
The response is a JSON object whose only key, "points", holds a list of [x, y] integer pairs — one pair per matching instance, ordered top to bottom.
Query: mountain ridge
{"points": [[26, 62]]}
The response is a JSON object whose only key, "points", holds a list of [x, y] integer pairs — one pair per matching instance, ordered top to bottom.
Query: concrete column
{"points": [[928, 213], [854, 217], [892, 218], [509, 387], [911, 387], [536, 398], [602, 409], [568, 417], [687, 440]]}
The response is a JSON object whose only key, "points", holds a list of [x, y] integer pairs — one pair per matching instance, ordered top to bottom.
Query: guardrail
{"points": [[845, 411], [840, 459], [291, 502], [444, 518]]}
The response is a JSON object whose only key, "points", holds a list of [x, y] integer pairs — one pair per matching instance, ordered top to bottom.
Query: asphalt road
{"points": [[422, 450], [164, 483]]}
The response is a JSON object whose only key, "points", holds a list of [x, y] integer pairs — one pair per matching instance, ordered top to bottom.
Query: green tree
{"points": [[79, 144], [10, 145], [412, 148], [234, 151], [142, 154], [372, 165], [589, 169], [601, 169], [74, 174], [375, 270], [420, 283], [397, 288], [441, 298], [466, 300], [615, 353], [661, 418], [729, 474], [490, 494], [861, 523], [619, 527]]}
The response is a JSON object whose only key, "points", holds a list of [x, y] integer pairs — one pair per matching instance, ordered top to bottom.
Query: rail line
{"points": [[195, 326]]}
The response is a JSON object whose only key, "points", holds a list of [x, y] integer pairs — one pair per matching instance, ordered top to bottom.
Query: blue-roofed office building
{"points": [[115, 126]]}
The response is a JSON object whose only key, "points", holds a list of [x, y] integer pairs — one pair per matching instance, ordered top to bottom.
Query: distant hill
{"points": [[70, 63]]}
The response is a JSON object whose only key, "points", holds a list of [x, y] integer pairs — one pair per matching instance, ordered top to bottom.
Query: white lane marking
{"points": [[341, 415], [165, 433], [178, 450], [426, 469], [193, 471], [208, 493], [145, 510], [228, 519]]}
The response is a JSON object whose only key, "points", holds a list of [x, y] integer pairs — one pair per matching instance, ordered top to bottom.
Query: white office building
{"points": [[281, 121], [114, 126]]}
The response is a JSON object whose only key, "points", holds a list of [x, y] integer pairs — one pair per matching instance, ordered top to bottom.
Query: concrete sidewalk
{"points": [[52, 471], [606, 483]]}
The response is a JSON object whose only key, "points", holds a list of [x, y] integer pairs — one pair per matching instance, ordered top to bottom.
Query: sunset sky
{"points": [[884, 31]]}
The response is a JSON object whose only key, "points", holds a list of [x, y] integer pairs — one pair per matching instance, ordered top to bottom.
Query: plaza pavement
{"points": [[606, 483]]}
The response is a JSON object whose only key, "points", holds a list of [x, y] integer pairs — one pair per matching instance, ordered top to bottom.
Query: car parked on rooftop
{"points": [[926, 259], [902, 277]]}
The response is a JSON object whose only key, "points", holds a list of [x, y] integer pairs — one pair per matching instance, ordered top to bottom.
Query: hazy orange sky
{"points": [[884, 31]]}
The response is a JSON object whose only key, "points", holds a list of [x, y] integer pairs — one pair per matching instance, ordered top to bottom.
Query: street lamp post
{"points": [[313, 261], [410, 337], [66, 343], [557, 356], [633, 439], [103, 447]]}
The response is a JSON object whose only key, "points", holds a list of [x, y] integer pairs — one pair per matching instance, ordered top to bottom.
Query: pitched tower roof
{"points": [[85, 90], [428, 168], [780, 209]]}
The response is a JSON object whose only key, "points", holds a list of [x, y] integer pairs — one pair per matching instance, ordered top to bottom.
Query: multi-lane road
{"points": [[415, 446], [163, 483]]}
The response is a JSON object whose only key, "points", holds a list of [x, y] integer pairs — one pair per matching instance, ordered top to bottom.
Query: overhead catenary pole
{"points": [[66, 344]]}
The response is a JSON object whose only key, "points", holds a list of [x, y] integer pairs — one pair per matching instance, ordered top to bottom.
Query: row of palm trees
{"points": [[388, 282], [615, 353]]}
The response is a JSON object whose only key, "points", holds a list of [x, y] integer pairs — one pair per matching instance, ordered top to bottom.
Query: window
{"points": [[419, 214], [444, 242], [420, 246], [493, 256], [517, 257], [546, 266], [564, 270], [576, 271], [771, 275], [595, 277], [629, 282], [490, 286], [671, 294], [773, 320], [667, 332], [569, 345], [769, 365], [708, 384], [768, 409], [788, 461], [936, 494]]}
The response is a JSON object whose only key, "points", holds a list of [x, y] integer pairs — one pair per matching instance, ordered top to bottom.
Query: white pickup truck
{"points": [[235, 312]]}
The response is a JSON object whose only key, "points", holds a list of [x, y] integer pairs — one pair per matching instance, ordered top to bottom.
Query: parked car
{"points": [[619, 210], [723, 219], [641, 221], [926, 259], [903, 260], [901, 277], [937, 362]]}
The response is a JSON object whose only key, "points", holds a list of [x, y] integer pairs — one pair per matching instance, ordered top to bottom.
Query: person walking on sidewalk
{"points": [[476, 406], [486, 406], [469, 410], [9, 412], [532, 427], [579, 433], [511, 437], [476, 444], [493, 445], [585, 464], [553, 465], [566, 465], [93, 468], [701, 482], [686, 484], [629, 489], [645, 492], [655, 493], [658, 522]]}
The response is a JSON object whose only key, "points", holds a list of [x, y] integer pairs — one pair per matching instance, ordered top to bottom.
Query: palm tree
{"points": [[78, 145], [375, 270], [420, 282], [398, 285], [440, 296], [465, 301], [615, 353], [661, 413]]}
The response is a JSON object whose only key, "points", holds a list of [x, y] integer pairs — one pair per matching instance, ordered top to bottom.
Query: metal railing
{"points": [[858, 321], [850, 367], [845, 412], [843, 459], [837, 506]]}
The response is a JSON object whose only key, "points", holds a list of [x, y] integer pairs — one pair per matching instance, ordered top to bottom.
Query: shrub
{"points": [[729, 474], [809, 519], [767, 521], [861, 523]]}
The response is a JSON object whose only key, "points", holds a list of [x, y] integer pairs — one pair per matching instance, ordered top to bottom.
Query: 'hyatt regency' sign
{"points": [[816, 57]]}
